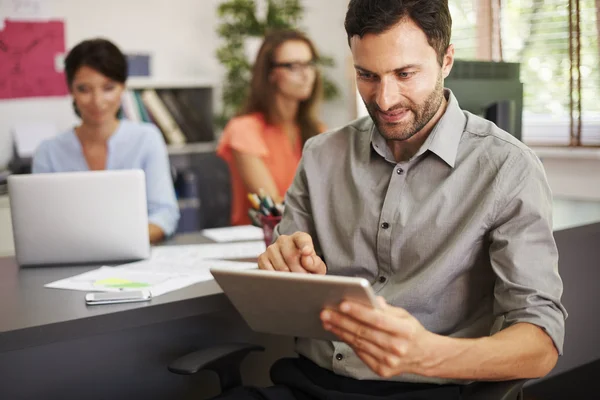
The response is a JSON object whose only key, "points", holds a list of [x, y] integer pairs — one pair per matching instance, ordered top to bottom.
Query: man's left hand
{"points": [[389, 340]]}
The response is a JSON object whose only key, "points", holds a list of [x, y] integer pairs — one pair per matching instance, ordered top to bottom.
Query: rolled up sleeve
{"points": [[523, 252]]}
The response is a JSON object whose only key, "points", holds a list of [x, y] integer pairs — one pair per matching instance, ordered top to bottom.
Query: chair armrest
{"points": [[207, 358], [224, 359], [503, 390]]}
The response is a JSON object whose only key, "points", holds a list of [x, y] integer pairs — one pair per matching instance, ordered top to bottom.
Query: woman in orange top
{"points": [[263, 145]]}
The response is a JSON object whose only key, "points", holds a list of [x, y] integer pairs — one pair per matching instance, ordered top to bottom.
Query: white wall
{"points": [[325, 25], [180, 34]]}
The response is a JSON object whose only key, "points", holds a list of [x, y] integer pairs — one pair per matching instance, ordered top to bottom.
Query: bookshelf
{"points": [[182, 109]]}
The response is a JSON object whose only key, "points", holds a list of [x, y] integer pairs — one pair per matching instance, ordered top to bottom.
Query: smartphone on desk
{"points": [[117, 297]]}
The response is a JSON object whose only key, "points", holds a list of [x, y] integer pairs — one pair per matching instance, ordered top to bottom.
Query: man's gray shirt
{"points": [[460, 235]]}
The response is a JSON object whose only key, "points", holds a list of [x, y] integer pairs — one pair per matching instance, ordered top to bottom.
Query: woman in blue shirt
{"points": [[96, 72]]}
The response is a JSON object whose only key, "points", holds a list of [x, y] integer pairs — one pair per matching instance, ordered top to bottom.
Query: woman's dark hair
{"points": [[377, 16], [100, 55], [261, 98]]}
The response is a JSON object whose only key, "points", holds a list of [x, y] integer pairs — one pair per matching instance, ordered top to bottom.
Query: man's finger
{"points": [[304, 243], [290, 254], [276, 259], [264, 263], [313, 264], [396, 321], [355, 332], [357, 342], [379, 368]]}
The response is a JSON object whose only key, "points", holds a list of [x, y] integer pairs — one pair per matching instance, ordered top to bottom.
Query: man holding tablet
{"points": [[447, 216]]}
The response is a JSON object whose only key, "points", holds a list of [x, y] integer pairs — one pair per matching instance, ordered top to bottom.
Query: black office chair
{"points": [[213, 186], [225, 360]]}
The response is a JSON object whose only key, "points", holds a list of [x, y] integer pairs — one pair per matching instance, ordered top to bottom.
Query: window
{"points": [[464, 28], [535, 33]]}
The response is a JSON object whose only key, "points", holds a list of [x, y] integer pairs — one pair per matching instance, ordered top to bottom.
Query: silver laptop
{"points": [[79, 217]]}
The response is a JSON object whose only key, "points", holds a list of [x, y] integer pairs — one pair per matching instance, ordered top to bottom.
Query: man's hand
{"points": [[294, 253], [389, 340]]}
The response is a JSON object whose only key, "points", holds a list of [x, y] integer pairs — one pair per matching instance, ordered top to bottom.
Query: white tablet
{"points": [[287, 303]]}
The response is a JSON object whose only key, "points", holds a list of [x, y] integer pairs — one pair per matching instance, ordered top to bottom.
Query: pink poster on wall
{"points": [[28, 59]]}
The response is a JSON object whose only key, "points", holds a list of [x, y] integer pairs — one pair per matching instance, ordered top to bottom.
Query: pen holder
{"points": [[268, 224]]}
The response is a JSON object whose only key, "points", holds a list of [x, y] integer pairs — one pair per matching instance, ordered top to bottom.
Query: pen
{"points": [[261, 194], [254, 201], [269, 201], [263, 205], [279, 208], [264, 210], [274, 211], [254, 217]]}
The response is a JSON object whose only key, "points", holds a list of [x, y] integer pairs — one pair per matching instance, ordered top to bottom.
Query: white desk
{"points": [[570, 213], [7, 246]]}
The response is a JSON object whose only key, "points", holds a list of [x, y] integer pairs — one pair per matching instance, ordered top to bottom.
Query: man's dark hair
{"points": [[377, 16], [100, 55]]}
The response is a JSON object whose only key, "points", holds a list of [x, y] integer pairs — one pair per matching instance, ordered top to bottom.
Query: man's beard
{"points": [[420, 115]]}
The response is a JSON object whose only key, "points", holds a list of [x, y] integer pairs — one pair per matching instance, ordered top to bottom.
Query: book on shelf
{"points": [[130, 107], [177, 111], [198, 111], [143, 112], [184, 115], [163, 117]]}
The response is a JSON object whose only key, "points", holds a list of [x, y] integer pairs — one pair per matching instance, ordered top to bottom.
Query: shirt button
{"points": [[400, 171], [385, 225], [382, 279], [339, 356]]}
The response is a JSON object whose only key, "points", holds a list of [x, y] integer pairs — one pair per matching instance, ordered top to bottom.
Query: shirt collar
{"points": [[443, 139]]}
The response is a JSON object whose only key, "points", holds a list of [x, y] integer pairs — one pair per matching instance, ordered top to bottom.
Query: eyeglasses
{"points": [[296, 66]]}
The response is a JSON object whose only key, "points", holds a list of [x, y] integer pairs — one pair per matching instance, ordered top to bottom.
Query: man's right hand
{"points": [[295, 253]]}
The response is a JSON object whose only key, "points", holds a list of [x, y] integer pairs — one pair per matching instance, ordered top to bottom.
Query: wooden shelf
{"points": [[146, 83], [191, 148]]}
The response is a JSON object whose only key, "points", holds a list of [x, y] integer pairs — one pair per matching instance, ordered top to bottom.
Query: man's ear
{"points": [[448, 61]]}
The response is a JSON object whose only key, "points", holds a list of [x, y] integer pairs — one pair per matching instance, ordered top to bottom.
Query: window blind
{"points": [[464, 28], [535, 33]]}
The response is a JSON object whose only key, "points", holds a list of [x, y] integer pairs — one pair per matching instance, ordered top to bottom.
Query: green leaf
{"points": [[238, 21], [330, 90]]}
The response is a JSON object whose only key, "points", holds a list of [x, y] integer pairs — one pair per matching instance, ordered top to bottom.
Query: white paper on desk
{"points": [[234, 233], [196, 252], [161, 277], [89, 281]]}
